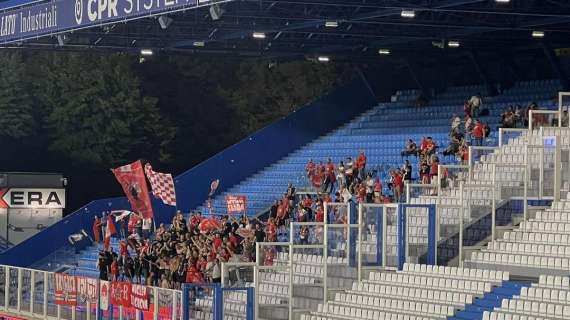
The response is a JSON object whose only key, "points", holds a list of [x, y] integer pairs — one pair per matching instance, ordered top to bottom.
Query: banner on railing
{"points": [[236, 204], [65, 289], [86, 290], [104, 291], [121, 294], [139, 297], [7, 317]]}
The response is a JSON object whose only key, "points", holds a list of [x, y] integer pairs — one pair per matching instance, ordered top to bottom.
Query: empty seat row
{"points": [[562, 216], [540, 226], [535, 237], [538, 249], [521, 260], [456, 272], [554, 281], [467, 286], [385, 290], [538, 293], [394, 304], [535, 308], [327, 312], [498, 315]]}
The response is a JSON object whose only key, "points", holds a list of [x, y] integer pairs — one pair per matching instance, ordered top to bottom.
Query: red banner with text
{"points": [[236, 203], [65, 289], [87, 290], [121, 294], [139, 297]]}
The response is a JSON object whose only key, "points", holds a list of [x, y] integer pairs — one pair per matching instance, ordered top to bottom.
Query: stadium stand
{"points": [[482, 289]]}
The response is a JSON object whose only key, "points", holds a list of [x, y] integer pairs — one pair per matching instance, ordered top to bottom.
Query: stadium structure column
{"points": [[555, 63], [482, 73]]}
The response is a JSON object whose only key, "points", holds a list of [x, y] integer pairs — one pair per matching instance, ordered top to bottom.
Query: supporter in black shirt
{"points": [[273, 210], [235, 226], [259, 234], [103, 265]]}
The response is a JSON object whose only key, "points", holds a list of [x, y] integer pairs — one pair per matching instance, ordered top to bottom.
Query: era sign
{"points": [[20, 198]]}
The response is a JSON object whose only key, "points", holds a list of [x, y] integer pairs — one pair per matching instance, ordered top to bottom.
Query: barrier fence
{"points": [[48, 295]]}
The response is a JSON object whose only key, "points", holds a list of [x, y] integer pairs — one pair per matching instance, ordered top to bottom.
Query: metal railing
{"points": [[31, 293]]}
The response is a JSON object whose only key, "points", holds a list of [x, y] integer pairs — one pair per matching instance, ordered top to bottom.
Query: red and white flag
{"points": [[162, 185], [109, 231]]}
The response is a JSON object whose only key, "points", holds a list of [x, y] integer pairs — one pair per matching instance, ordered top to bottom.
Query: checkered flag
{"points": [[162, 185]]}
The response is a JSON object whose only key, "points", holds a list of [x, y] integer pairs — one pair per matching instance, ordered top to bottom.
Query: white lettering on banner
{"points": [[130, 7], [38, 21], [8, 24], [20, 198], [236, 203], [66, 283], [87, 289], [139, 297]]}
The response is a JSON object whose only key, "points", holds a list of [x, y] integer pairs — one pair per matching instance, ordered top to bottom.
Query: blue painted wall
{"points": [[231, 166]]}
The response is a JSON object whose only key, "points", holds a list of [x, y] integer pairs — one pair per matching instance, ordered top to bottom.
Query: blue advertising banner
{"points": [[63, 15]]}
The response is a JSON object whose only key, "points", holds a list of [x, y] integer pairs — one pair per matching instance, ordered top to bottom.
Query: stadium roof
{"points": [[351, 29]]}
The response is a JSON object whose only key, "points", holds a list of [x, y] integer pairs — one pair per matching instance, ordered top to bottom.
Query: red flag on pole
{"points": [[131, 177], [109, 231]]}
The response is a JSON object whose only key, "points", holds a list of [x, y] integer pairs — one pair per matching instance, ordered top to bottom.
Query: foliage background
{"points": [[81, 114]]}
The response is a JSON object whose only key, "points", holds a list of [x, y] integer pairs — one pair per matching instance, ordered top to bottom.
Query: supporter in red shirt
{"points": [[478, 132], [423, 144], [427, 147], [464, 152], [361, 165], [310, 168], [433, 172], [424, 173], [330, 177], [398, 182], [377, 191], [361, 193], [327, 198], [307, 202], [282, 210], [320, 214], [195, 220], [133, 221], [97, 229], [271, 231], [234, 240], [217, 242], [145, 248], [123, 251], [269, 256], [115, 270], [193, 275]]}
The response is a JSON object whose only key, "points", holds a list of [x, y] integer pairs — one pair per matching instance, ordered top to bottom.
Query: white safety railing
{"points": [[561, 106], [505, 132], [31, 293]]}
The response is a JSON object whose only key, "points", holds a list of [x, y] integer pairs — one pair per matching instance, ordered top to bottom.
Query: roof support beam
{"points": [[315, 23], [555, 63], [482, 73], [415, 77]]}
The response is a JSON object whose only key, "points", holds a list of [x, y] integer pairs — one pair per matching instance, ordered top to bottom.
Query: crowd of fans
{"points": [[518, 117], [185, 252]]}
